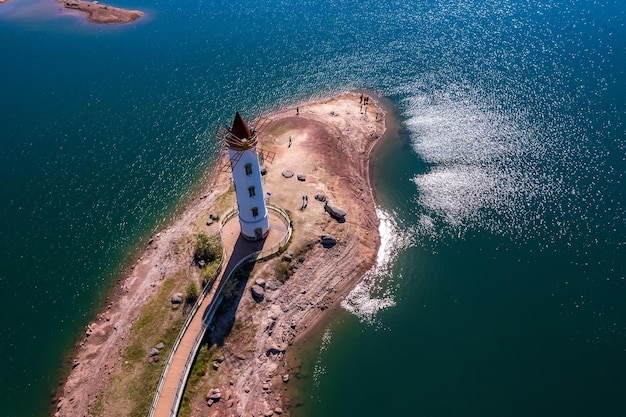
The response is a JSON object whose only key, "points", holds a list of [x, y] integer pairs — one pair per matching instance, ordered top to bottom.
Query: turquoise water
{"points": [[500, 289]]}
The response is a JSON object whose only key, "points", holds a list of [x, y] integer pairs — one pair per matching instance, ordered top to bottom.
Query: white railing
{"points": [[205, 291], [212, 308]]}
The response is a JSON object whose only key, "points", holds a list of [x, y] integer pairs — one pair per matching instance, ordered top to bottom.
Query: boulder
{"points": [[287, 174], [301, 177], [320, 197], [335, 211], [328, 241], [288, 256], [260, 282], [258, 292], [177, 298], [160, 346], [274, 350], [154, 352], [285, 378], [215, 394]]}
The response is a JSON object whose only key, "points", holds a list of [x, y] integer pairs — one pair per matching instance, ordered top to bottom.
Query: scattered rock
{"points": [[263, 171], [287, 174], [301, 177], [320, 197], [335, 211], [213, 217], [328, 241], [288, 256], [260, 282], [258, 293], [177, 298], [160, 346], [274, 350], [154, 352], [216, 365], [286, 378], [266, 387], [215, 394], [278, 410], [268, 413]]}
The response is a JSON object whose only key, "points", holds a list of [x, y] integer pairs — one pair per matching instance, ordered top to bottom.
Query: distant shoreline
{"points": [[100, 13]]}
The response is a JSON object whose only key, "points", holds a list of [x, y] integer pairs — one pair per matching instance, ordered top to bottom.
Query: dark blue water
{"points": [[501, 291]]}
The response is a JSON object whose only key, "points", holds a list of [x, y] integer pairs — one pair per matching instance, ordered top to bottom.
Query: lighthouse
{"points": [[241, 143]]}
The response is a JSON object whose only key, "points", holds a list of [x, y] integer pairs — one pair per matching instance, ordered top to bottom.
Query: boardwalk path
{"points": [[236, 251]]}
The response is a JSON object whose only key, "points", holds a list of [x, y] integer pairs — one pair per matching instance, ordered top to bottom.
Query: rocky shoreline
{"points": [[279, 300]]}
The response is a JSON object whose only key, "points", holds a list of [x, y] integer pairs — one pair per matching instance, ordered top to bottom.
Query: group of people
{"points": [[365, 100], [305, 202]]}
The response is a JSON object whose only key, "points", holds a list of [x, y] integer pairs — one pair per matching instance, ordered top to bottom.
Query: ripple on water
{"points": [[483, 171], [375, 292]]}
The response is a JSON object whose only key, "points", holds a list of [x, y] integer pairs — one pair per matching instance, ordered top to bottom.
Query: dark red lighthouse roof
{"points": [[240, 128]]}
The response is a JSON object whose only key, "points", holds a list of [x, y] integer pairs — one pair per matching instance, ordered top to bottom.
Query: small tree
{"points": [[204, 250], [192, 292]]}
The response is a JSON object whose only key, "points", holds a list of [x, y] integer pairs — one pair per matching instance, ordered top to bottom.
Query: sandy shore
{"points": [[101, 13], [331, 141]]}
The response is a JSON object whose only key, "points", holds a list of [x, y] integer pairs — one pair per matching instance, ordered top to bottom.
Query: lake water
{"points": [[500, 284]]}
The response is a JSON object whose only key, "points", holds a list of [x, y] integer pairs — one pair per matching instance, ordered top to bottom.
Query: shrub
{"points": [[205, 250], [283, 271], [192, 292]]}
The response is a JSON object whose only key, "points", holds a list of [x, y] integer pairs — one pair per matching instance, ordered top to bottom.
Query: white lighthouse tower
{"points": [[241, 143]]}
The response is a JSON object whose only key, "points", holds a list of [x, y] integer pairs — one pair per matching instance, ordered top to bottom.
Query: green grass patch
{"points": [[205, 356], [133, 387]]}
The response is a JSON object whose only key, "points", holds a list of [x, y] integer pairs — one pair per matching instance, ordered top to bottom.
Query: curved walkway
{"points": [[237, 250]]}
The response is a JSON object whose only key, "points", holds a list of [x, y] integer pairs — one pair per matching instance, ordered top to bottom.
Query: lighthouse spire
{"points": [[240, 127]]}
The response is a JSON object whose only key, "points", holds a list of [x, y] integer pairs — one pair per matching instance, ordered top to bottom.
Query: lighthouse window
{"points": [[248, 169], [251, 191], [255, 211]]}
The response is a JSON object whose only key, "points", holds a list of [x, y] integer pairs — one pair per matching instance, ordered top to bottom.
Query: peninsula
{"points": [[101, 13], [319, 176]]}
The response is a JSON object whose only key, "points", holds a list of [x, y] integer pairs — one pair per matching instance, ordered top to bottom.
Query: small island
{"points": [[101, 13], [315, 165]]}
